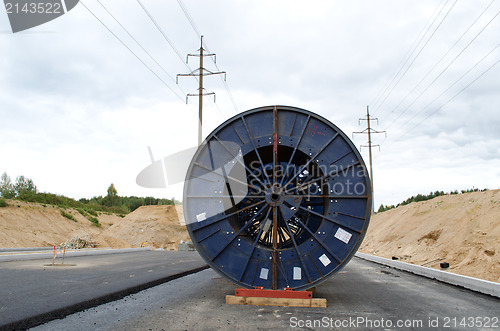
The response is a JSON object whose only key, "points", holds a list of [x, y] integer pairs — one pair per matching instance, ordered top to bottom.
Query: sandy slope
{"points": [[25, 224], [33, 225], [156, 226], [463, 230]]}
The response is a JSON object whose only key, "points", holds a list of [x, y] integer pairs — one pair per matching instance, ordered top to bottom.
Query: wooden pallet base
{"points": [[281, 302]]}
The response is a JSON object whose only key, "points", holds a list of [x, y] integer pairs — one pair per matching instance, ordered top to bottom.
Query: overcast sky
{"points": [[78, 109]]}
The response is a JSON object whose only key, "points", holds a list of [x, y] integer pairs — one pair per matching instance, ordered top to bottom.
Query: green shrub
{"points": [[6, 187], [24, 189], [49, 199], [3, 203], [122, 209], [82, 211], [92, 212], [68, 216], [94, 221]]}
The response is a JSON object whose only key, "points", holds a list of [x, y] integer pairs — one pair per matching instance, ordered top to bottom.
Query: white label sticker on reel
{"points": [[201, 217], [343, 235], [325, 260], [264, 272], [297, 273]]}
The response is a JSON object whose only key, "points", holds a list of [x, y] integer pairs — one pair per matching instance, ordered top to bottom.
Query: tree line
{"points": [[24, 189], [423, 197]]}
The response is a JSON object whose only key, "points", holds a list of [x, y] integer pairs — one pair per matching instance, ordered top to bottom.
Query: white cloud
{"points": [[78, 109]]}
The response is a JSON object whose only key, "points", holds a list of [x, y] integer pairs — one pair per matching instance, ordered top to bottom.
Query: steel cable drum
{"points": [[277, 197]]}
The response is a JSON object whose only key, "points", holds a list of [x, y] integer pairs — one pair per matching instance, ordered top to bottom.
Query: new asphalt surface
{"points": [[34, 292], [363, 296]]}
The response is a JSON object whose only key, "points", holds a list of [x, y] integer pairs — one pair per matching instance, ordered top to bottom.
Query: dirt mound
{"points": [[25, 224], [155, 226], [462, 229]]}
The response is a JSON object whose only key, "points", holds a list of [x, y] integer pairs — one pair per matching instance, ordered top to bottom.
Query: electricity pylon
{"points": [[200, 73], [369, 131]]}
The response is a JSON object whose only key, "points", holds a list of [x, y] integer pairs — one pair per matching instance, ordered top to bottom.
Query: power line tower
{"points": [[200, 73], [369, 131]]}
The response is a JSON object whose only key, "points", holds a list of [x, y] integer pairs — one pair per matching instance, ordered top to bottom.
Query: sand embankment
{"points": [[25, 224], [462, 229]]}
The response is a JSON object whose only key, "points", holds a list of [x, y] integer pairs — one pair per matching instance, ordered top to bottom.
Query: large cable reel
{"points": [[277, 197]]}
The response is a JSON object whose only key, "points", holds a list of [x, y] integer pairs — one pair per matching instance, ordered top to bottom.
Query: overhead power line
{"points": [[189, 18], [197, 32], [163, 33], [138, 43], [423, 47], [131, 51], [419, 52], [409, 54], [439, 61], [444, 70], [226, 86], [449, 100]]}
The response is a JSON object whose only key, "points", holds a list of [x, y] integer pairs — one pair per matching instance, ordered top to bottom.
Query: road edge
{"points": [[48, 254], [471, 283]]}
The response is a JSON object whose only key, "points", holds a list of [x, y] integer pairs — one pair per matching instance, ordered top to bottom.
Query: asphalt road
{"points": [[32, 291], [364, 296]]}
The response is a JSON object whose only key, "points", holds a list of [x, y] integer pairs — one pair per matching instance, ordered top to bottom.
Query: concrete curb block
{"points": [[24, 249], [69, 253], [471, 283]]}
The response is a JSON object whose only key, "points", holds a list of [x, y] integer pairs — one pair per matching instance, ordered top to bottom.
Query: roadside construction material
{"points": [[80, 242], [62, 251], [474, 284]]}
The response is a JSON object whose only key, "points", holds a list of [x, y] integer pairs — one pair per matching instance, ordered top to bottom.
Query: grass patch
{"points": [[3, 203], [82, 212], [92, 212], [68, 216], [94, 221]]}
